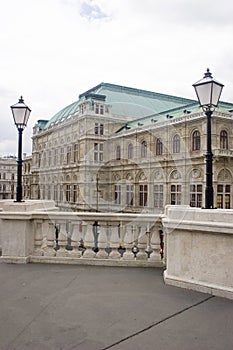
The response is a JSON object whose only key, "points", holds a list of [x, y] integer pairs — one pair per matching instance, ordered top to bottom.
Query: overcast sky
{"points": [[53, 50]]}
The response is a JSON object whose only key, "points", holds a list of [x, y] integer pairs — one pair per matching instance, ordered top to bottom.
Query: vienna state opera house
{"points": [[121, 149]]}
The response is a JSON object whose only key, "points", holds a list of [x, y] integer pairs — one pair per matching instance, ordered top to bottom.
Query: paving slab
{"points": [[48, 307]]}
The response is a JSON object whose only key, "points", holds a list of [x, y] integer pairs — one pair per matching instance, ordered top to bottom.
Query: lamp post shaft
{"points": [[19, 168], [209, 192]]}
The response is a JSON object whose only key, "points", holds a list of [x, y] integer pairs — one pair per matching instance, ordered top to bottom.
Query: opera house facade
{"points": [[122, 149]]}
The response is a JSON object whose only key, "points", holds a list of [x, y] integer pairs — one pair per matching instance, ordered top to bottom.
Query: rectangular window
{"points": [[83, 108], [97, 108], [96, 128], [99, 129], [98, 152], [75, 153], [68, 154], [49, 192], [61, 193], [68, 193], [74, 193], [117, 194], [176, 194], [129, 195], [143, 195], [158, 196], [196, 196], [223, 196]]}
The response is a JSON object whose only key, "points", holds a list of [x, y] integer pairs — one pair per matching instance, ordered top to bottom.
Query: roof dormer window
{"points": [[99, 108]]}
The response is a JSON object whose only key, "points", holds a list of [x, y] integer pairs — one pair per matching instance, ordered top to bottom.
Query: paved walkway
{"points": [[47, 307]]}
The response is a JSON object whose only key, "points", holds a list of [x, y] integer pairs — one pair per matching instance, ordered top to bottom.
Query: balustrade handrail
{"points": [[93, 237]]}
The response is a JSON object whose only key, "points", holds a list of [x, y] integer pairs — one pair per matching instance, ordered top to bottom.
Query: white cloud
{"points": [[91, 11], [53, 50]]}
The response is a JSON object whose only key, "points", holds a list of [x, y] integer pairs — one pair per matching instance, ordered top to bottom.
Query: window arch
{"points": [[223, 140], [196, 141], [176, 144], [159, 147], [143, 149], [130, 151], [118, 152]]}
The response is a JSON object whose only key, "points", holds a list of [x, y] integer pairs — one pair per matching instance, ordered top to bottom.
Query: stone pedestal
{"points": [[16, 228]]}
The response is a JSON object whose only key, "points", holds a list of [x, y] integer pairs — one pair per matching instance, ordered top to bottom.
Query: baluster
{"points": [[83, 230], [57, 231], [48, 232], [96, 232], [149, 232], [122, 234], [108, 236], [38, 238], [75, 239], [62, 240], [135, 240], [89, 242], [102, 243], [114, 243], [128, 243], [155, 245], [69, 247], [142, 255]]}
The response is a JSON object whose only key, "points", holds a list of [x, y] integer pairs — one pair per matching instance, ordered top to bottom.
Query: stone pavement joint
{"points": [[159, 322]]}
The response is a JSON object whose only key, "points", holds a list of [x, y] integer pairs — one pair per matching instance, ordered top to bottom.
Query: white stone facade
{"points": [[97, 160], [8, 177]]}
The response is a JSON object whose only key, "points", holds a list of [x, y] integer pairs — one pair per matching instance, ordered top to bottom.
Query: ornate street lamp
{"points": [[208, 93], [21, 114]]}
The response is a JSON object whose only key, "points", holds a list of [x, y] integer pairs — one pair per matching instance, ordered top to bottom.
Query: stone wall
{"points": [[199, 249]]}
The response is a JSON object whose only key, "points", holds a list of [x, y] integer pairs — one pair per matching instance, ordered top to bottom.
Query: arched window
{"points": [[223, 140], [196, 141], [176, 144], [159, 147], [143, 149], [130, 151], [118, 152]]}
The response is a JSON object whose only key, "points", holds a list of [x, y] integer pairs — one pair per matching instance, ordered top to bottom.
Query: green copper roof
{"points": [[125, 101], [137, 103], [194, 107]]}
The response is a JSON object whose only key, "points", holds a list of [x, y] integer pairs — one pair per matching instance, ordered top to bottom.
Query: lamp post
{"points": [[208, 93], [21, 114]]}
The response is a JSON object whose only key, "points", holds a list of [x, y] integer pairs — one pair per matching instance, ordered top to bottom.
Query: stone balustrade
{"points": [[118, 239]]}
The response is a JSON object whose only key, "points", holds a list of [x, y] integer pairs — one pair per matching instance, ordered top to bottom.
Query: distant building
{"points": [[124, 149], [27, 176], [8, 177]]}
